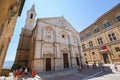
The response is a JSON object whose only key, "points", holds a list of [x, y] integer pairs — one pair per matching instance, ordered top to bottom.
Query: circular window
{"points": [[63, 36]]}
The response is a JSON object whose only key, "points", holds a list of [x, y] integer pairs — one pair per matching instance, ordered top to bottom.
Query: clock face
{"points": [[62, 23]]}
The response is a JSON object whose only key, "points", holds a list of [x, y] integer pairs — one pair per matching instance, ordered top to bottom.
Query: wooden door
{"points": [[105, 57], [65, 60], [77, 60], [48, 64]]}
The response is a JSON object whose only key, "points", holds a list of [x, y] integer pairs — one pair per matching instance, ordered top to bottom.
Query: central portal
{"points": [[65, 60]]}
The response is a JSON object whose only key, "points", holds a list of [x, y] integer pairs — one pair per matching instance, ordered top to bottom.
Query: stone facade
{"points": [[9, 11], [101, 40], [52, 44]]}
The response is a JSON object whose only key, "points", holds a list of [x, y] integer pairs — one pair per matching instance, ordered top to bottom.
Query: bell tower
{"points": [[30, 20], [23, 50]]}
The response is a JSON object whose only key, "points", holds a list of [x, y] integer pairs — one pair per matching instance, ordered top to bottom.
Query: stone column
{"points": [[70, 52], [80, 53]]}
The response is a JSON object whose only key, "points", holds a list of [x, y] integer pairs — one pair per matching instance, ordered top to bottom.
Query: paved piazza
{"points": [[74, 74], [87, 74], [111, 76]]}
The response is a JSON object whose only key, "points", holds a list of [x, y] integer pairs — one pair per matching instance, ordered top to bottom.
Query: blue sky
{"points": [[79, 13]]}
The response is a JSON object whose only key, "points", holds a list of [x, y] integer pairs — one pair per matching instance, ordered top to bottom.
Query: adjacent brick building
{"points": [[101, 40]]}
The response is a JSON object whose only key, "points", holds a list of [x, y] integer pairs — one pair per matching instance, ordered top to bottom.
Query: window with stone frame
{"points": [[31, 16], [118, 18], [107, 24], [96, 29], [88, 34], [63, 36], [112, 37], [81, 38], [100, 41], [90, 44], [83, 46], [117, 49], [93, 53], [85, 54]]}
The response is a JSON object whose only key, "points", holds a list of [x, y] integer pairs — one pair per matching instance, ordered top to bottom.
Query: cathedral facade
{"points": [[52, 44]]}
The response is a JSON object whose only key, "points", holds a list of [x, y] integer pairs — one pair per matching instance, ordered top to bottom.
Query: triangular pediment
{"points": [[58, 22]]}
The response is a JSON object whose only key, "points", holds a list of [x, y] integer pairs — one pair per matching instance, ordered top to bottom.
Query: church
{"points": [[52, 44]]}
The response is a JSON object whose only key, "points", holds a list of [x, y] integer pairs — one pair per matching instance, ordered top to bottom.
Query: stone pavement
{"points": [[69, 74], [74, 74], [86, 74], [108, 75]]}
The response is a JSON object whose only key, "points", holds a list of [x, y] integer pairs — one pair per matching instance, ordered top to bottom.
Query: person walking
{"points": [[87, 65], [102, 65], [95, 66], [115, 66], [26, 71], [33, 73], [17, 74]]}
